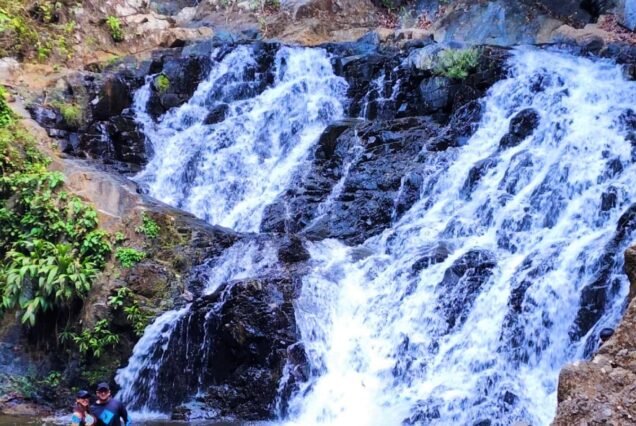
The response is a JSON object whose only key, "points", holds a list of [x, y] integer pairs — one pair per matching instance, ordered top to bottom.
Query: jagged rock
{"points": [[435, 93], [114, 97], [217, 114], [521, 126], [475, 174], [367, 202], [463, 280], [239, 365]]}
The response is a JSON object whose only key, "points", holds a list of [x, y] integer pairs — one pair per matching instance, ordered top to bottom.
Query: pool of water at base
{"points": [[26, 420]]}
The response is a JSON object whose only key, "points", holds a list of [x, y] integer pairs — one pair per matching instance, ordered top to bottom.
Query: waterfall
{"points": [[227, 172], [501, 273]]}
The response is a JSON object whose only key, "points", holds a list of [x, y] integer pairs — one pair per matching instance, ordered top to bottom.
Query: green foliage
{"points": [[114, 26], [36, 30], [457, 63], [162, 83], [73, 114], [6, 115], [148, 227], [119, 237], [50, 247], [128, 257], [52, 274], [124, 299], [93, 341], [97, 374], [53, 379], [22, 385]]}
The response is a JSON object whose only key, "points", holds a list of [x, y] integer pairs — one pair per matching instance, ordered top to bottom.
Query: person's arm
{"points": [[124, 415], [75, 420]]}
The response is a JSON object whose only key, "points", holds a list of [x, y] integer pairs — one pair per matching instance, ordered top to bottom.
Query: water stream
{"points": [[470, 304], [465, 310]]}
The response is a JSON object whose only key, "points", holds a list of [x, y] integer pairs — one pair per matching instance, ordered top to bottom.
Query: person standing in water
{"points": [[107, 410], [81, 414]]}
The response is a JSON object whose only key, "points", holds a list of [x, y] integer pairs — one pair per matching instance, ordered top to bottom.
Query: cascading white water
{"points": [[229, 171], [226, 173], [388, 342]]}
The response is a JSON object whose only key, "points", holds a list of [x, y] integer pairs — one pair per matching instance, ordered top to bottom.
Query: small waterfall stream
{"points": [[227, 172], [470, 304], [463, 311]]}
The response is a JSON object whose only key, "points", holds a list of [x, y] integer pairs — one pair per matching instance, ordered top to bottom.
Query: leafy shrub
{"points": [[114, 26], [457, 63], [162, 83], [72, 113], [6, 115], [148, 227], [50, 247], [128, 257], [51, 273], [124, 299], [93, 341]]}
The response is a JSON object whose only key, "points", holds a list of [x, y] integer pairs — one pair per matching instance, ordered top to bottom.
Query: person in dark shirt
{"points": [[107, 410]]}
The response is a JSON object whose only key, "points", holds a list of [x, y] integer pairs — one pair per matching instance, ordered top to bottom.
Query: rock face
{"points": [[352, 190], [250, 325], [603, 390]]}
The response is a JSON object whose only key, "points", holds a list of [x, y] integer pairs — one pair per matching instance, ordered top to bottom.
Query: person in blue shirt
{"points": [[107, 410], [81, 414]]}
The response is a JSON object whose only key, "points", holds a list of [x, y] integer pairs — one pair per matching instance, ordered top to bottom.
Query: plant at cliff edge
{"points": [[114, 26], [457, 63]]}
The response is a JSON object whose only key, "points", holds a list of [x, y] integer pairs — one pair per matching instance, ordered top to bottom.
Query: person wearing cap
{"points": [[604, 335], [107, 410], [81, 414]]}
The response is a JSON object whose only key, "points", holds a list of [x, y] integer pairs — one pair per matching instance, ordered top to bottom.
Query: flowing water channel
{"points": [[465, 310]]}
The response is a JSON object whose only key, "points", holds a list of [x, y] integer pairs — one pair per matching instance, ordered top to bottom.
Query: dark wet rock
{"points": [[183, 75], [436, 93], [114, 97], [216, 114], [465, 120], [521, 126], [128, 142], [365, 159], [476, 173], [292, 250], [431, 255], [461, 285], [235, 343]]}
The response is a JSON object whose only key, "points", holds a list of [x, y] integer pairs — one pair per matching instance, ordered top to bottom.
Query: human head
{"points": [[605, 334], [103, 391], [83, 399]]}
